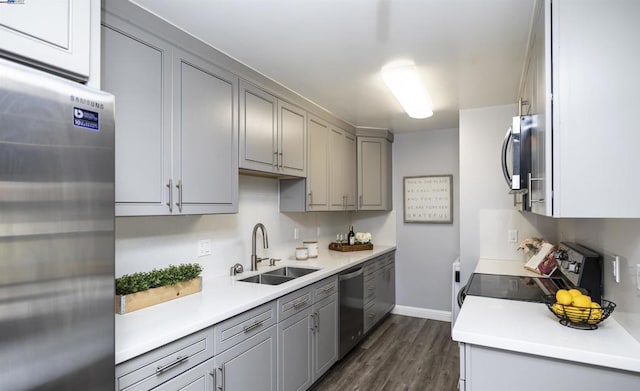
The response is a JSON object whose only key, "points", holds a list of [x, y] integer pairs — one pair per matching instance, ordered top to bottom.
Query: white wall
{"points": [[487, 211], [144, 243], [425, 251]]}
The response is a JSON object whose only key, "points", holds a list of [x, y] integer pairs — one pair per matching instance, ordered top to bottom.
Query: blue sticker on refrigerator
{"points": [[86, 119]]}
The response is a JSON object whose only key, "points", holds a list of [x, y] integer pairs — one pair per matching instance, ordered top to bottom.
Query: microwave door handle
{"points": [[505, 147]]}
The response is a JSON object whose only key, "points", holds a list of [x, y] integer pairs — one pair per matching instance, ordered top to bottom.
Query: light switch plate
{"points": [[615, 264]]}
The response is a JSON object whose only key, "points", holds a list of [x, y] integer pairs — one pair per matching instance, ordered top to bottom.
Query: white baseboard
{"points": [[424, 313]]}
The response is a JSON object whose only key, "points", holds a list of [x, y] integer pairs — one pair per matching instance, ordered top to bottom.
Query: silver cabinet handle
{"points": [[281, 160], [274, 161], [530, 188], [310, 198], [360, 201], [170, 203], [179, 203], [328, 289], [300, 304], [371, 315], [312, 319], [317, 321], [255, 324], [179, 360], [222, 370], [213, 375]]}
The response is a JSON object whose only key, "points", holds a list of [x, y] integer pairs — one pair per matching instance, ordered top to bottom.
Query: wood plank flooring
{"points": [[403, 354]]}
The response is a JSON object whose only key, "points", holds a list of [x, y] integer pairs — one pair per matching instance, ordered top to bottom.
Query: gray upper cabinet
{"points": [[53, 34], [272, 133], [176, 138], [585, 153], [205, 162], [342, 169], [374, 173], [318, 178]]}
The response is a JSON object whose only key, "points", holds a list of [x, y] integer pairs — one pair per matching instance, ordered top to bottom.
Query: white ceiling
{"points": [[469, 52]]}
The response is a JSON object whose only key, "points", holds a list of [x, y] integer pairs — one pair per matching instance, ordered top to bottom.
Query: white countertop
{"points": [[221, 298], [531, 328]]}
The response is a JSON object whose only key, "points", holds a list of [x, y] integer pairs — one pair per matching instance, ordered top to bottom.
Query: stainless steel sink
{"points": [[291, 271], [279, 276], [267, 279]]}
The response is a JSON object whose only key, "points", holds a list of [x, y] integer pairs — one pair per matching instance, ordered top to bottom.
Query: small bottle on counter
{"points": [[351, 237]]}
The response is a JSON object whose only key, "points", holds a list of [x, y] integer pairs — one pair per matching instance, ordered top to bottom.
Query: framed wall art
{"points": [[428, 199]]}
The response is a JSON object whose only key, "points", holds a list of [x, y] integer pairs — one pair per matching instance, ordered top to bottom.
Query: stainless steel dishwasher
{"points": [[351, 308]]}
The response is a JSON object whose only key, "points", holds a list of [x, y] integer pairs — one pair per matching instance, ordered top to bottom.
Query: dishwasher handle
{"points": [[352, 275]]}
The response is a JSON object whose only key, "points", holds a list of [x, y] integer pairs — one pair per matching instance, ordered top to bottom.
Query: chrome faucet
{"points": [[265, 244]]}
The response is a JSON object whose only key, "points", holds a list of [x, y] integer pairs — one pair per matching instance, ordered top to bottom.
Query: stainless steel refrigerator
{"points": [[56, 233]]}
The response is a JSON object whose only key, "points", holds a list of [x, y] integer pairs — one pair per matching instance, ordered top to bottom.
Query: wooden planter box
{"points": [[344, 247], [153, 296]]}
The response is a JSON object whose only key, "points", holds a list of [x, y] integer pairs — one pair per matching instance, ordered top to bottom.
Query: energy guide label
{"points": [[86, 119]]}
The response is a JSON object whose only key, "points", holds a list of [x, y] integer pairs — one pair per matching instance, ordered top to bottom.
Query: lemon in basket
{"points": [[575, 292], [563, 297], [581, 301], [596, 314]]}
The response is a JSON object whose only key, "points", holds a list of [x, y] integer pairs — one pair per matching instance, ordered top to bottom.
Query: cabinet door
{"points": [[55, 33], [136, 69], [539, 71], [595, 99], [258, 129], [292, 143], [205, 169], [337, 169], [349, 171], [318, 176], [374, 176], [325, 341], [294, 352], [250, 365], [200, 378]]}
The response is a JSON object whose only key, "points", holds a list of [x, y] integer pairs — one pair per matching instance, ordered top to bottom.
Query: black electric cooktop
{"points": [[512, 287]]}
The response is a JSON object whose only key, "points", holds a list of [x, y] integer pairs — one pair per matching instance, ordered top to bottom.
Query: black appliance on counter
{"points": [[578, 267]]}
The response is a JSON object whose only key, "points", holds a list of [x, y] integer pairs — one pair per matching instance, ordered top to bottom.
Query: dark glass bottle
{"points": [[351, 237]]}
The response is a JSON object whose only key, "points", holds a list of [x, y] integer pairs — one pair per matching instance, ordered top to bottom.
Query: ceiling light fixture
{"points": [[404, 82]]}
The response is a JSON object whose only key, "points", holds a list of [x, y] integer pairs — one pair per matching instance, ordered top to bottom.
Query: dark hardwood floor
{"points": [[402, 353]]}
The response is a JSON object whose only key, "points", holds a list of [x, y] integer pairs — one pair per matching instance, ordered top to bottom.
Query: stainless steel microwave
{"points": [[516, 153]]}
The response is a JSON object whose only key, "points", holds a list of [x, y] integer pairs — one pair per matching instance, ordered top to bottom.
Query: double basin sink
{"points": [[279, 276]]}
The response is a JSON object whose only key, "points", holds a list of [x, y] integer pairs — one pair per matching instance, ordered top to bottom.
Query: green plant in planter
{"points": [[138, 282]]}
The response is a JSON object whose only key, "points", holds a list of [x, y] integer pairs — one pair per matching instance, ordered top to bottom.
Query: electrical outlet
{"points": [[295, 234], [512, 236], [204, 247], [615, 265], [638, 276]]}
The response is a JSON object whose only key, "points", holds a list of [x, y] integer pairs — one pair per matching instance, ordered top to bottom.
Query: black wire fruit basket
{"points": [[583, 318]]}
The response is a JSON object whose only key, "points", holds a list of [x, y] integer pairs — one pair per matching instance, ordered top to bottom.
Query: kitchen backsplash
{"points": [[612, 237], [144, 243]]}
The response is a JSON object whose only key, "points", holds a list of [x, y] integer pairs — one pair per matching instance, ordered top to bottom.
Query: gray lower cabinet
{"points": [[176, 140], [379, 289], [308, 339], [177, 359], [250, 365], [200, 378]]}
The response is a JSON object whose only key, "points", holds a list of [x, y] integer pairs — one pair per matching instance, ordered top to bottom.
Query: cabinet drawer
{"points": [[370, 268], [325, 288], [369, 288], [294, 302], [370, 315], [237, 329], [149, 370]]}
